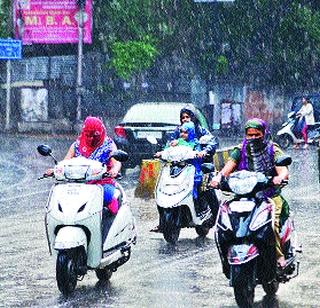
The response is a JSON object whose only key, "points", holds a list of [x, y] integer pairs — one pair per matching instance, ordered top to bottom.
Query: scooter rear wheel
{"points": [[171, 233], [66, 273], [103, 274]]}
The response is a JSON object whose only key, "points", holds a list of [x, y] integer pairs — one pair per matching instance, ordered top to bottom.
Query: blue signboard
{"points": [[10, 49]]}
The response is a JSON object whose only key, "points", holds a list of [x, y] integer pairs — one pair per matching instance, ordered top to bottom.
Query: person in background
{"points": [[306, 111], [93, 143], [258, 153]]}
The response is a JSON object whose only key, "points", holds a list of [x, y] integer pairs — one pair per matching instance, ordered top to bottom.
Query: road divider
{"points": [[149, 171]]}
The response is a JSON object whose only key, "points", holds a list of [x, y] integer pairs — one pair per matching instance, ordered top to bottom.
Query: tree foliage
{"points": [[4, 18], [266, 42], [275, 42], [131, 57]]}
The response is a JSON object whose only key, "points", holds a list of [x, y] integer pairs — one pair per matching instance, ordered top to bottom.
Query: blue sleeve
{"points": [[175, 134], [212, 144], [197, 147]]}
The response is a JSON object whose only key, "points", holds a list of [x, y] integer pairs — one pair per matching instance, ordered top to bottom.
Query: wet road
{"points": [[158, 275]]}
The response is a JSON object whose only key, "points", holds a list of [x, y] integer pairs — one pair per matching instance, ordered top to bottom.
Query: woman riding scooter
{"points": [[187, 114], [188, 138], [93, 143], [258, 153]]}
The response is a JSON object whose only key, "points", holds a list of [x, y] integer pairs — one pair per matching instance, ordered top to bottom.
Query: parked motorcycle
{"points": [[288, 134], [174, 194], [80, 230], [245, 238]]}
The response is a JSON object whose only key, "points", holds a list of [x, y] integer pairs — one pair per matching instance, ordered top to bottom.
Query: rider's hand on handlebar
{"points": [[173, 143], [158, 154], [202, 154], [49, 172], [113, 172], [277, 180], [216, 181]]}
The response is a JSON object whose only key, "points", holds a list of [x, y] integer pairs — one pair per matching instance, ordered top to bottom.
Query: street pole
{"points": [[8, 82], [79, 91], [8, 95]]}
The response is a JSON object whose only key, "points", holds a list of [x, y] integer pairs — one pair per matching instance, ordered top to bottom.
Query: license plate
{"points": [[145, 134], [241, 206]]}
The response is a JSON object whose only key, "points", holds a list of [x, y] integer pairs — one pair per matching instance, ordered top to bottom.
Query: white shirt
{"points": [[307, 111]]}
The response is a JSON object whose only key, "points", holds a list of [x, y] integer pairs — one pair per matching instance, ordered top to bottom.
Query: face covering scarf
{"points": [[92, 136], [259, 150]]}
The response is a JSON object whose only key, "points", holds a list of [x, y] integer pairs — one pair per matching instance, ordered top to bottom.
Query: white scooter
{"points": [[287, 136], [174, 194], [80, 230]]}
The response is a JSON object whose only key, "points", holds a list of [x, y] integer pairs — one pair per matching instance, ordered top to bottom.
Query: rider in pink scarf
{"points": [[93, 143]]}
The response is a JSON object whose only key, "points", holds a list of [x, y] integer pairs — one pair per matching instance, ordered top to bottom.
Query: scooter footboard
{"points": [[70, 237], [243, 253]]}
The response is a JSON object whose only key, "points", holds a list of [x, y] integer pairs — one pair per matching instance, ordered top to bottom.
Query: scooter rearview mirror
{"points": [[45, 150], [283, 161]]}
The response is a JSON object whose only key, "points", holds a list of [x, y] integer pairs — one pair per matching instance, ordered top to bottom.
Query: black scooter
{"points": [[245, 238]]}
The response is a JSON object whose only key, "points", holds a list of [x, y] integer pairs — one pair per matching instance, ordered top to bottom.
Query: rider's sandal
{"points": [[156, 229], [281, 262]]}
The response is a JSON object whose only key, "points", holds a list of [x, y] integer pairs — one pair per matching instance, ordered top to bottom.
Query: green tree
{"points": [[5, 18], [173, 27], [275, 42], [132, 57]]}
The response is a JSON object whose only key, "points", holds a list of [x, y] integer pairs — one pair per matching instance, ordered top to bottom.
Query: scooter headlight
{"points": [[262, 217]]}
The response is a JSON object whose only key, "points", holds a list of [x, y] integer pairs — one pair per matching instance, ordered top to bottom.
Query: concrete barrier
{"points": [[221, 157], [150, 169]]}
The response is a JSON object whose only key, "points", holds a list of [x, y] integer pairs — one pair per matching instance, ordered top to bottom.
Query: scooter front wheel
{"points": [[169, 221], [202, 231], [171, 233], [66, 272], [103, 274], [243, 281]]}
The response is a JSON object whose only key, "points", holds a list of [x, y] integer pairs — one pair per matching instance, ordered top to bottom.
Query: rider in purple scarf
{"points": [[257, 154]]}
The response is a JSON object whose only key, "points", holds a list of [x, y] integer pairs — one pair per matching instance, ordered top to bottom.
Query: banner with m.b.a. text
{"points": [[51, 22]]}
